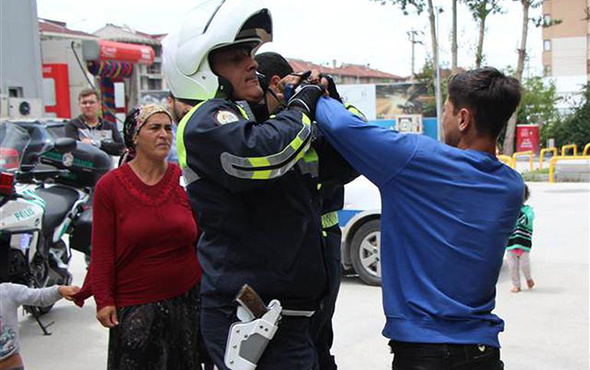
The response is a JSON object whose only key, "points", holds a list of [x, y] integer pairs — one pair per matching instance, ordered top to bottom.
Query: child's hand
{"points": [[68, 291]]}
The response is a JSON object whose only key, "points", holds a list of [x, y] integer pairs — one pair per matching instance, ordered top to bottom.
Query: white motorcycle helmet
{"points": [[211, 25]]}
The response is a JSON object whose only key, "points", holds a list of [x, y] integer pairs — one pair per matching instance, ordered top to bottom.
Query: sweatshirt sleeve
{"points": [[71, 130], [116, 146], [376, 152], [102, 268], [41, 297]]}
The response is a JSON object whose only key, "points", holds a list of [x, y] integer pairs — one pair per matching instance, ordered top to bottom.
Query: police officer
{"points": [[275, 69], [253, 186]]}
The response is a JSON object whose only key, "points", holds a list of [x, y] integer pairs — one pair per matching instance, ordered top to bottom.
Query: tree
{"points": [[419, 6], [480, 9], [522, 54], [538, 105], [574, 129]]}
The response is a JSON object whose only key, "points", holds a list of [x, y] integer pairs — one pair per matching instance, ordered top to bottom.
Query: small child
{"points": [[520, 244], [12, 296]]}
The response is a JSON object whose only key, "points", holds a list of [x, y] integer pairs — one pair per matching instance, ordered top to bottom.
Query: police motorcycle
{"points": [[43, 196]]}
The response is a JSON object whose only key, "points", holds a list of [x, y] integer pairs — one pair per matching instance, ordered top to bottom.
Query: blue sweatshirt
{"points": [[446, 217]]}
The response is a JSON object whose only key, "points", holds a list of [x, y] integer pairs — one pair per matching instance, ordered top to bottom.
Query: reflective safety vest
{"points": [[254, 189]]}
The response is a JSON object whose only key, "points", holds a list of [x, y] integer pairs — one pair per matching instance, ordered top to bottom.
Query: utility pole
{"points": [[412, 36]]}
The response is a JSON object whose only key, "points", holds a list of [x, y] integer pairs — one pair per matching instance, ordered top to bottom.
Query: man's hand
{"points": [[306, 98], [67, 291], [107, 316]]}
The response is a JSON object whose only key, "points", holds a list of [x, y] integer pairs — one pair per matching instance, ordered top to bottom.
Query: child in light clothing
{"points": [[520, 244], [12, 296]]}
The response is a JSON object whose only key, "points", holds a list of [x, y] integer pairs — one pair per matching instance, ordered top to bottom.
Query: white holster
{"points": [[248, 339]]}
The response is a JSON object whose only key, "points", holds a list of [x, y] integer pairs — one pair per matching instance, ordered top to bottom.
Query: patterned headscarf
{"points": [[134, 121]]}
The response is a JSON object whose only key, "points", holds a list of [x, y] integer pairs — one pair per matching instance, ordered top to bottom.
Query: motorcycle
{"points": [[40, 202]]}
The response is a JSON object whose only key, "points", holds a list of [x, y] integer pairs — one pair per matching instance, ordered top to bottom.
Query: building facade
{"points": [[565, 47]]}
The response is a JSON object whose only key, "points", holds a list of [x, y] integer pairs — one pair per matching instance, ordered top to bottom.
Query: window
{"points": [[546, 45], [547, 70]]}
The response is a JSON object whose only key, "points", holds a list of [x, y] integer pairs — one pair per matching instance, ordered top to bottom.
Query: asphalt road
{"points": [[546, 328]]}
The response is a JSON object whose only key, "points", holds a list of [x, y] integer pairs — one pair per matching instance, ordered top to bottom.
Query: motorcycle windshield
{"points": [[13, 142]]}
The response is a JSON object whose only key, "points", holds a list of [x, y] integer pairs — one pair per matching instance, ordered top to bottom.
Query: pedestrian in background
{"points": [[89, 128], [520, 244], [144, 272]]}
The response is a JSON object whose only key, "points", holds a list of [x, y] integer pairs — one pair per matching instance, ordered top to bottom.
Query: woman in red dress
{"points": [[144, 272]]}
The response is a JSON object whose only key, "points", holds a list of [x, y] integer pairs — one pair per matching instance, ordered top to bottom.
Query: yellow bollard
{"points": [[569, 146], [586, 150], [529, 153], [542, 157], [506, 159], [554, 160]]}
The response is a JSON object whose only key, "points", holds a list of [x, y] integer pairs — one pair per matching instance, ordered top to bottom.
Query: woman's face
{"points": [[155, 137]]}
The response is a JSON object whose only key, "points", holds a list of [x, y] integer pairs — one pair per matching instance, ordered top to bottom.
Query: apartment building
{"points": [[565, 46]]}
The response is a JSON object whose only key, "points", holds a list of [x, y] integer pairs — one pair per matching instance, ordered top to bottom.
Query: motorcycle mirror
{"points": [[64, 145]]}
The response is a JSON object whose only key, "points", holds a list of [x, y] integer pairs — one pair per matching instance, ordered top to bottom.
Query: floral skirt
{"points": [[161, 335]]}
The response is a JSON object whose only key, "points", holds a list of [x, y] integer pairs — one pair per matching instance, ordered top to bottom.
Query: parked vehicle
{"points": [[46, 196], [361, 234]]}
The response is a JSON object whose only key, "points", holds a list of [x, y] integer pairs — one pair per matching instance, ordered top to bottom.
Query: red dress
{"points": [[143, 241]]}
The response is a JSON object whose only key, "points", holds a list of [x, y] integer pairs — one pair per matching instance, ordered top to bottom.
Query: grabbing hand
{"points": [[328, 82], [305, 99], [67, 291], [107, 316]]}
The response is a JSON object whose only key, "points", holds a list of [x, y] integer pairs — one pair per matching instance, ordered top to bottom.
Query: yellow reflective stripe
{"points": [[352, 109], [243, 112], [180, 148], [311, 156], [259, 161], [258, 167], [261, 175], [329, 219]]}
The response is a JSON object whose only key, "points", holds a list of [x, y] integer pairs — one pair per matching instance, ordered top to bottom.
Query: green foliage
{"points": [[418, 5], [480, 9], [538, 105], [574, 129]]}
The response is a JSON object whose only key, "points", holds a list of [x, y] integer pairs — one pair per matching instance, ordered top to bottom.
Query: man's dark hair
{"points": [[273, 64], [87, 92], [490, 95]]}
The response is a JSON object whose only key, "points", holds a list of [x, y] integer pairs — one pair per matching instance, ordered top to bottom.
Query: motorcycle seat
{"points": [[58, 202]]}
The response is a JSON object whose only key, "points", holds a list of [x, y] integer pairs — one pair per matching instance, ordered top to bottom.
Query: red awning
{"points": [[132, 53]]}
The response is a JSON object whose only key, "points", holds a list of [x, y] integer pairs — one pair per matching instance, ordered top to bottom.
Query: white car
{"points": [[360, 221]]}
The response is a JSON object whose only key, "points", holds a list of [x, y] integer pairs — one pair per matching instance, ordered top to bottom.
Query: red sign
{"points": [[132, 53], [61, 89], [527, 138]]}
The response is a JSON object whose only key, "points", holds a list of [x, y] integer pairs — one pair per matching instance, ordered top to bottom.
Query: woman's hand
{"points": [[107, 316]]}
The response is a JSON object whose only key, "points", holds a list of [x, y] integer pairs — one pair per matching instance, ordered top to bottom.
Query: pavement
{"points": [[546, 327]]}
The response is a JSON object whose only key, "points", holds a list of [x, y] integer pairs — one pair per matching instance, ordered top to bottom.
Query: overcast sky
{"points": [[320, 31]]}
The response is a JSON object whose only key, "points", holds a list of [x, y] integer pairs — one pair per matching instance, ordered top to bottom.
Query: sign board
{"points": [[362, 96], [527, 138]]}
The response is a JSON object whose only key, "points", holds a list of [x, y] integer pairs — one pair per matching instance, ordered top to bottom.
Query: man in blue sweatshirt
{"points": [[447, 212]]}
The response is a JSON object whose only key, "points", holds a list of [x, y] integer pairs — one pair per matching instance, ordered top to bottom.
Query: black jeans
{"points": [[321, 323], [426, 356]]}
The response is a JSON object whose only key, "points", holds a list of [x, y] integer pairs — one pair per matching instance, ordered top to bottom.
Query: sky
{"points": [[321, 31]]}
